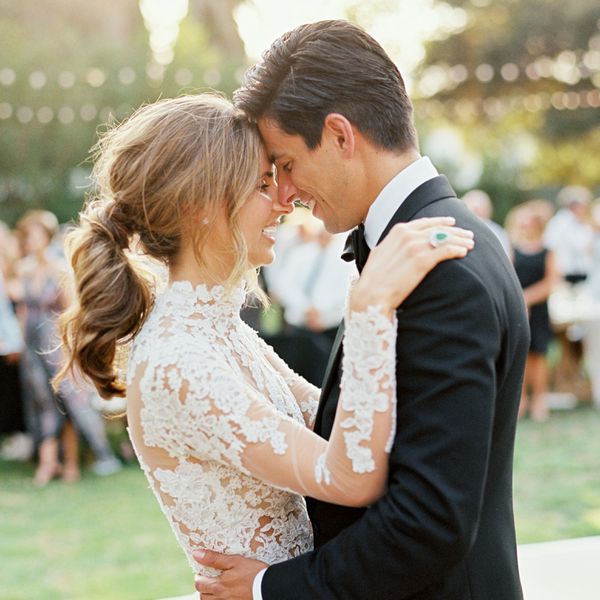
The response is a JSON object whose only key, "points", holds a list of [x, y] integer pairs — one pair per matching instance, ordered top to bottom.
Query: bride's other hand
{"points": [[401, 261]]}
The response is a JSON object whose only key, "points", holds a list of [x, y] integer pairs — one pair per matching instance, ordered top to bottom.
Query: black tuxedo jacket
{"points": [[444, 530]]}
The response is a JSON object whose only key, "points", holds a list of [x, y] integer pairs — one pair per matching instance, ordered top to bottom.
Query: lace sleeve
{"points": [[305, 393], [221, 417]]}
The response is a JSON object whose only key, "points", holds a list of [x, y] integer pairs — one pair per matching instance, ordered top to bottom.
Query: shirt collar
{"points": [[393, 195]]}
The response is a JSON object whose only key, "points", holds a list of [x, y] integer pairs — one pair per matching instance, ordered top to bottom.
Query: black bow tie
{"points": [[356, 248]]}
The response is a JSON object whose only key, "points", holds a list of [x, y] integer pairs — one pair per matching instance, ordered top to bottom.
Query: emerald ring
{"points": [[438, 237]]}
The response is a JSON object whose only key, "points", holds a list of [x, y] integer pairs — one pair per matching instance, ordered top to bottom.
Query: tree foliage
{"points": [[92, 64], [521, 69]]}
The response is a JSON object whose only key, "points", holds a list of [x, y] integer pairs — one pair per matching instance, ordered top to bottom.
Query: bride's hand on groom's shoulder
{"points": [[400, 262], [236, 579]]}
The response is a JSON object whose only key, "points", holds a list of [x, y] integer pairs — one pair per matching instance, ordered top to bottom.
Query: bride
{"points": [[220, 424]]}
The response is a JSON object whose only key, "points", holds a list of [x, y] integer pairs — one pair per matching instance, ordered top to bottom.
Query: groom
{"points": [[337, 122]]}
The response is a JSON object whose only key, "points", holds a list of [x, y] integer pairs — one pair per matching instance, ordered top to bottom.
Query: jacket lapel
{"points": [[331, 371]]}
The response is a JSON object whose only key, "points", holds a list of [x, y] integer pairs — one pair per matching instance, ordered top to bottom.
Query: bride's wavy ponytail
{"points": [[154, 175], [113, 298]]}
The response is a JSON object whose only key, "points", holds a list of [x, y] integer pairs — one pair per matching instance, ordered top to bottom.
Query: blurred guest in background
{"points": [[480, 204], [569, 235], [537, 273], [310, 282], [40, 294], [592, 326], [12, 421], [14, 424]]}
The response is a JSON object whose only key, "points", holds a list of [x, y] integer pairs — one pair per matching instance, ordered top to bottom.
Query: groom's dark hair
{"points": [[325, 67]]}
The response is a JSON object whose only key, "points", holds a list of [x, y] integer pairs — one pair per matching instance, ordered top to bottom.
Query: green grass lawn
{"points": [[106, 537]]}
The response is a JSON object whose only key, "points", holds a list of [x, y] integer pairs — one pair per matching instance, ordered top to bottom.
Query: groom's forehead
{"points": [[276, 140]]}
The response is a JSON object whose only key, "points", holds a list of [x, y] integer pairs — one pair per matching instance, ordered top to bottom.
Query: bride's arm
{"points": [[217, 415]]}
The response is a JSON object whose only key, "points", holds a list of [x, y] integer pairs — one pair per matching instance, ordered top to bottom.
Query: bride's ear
{"points": [[341, 132]]}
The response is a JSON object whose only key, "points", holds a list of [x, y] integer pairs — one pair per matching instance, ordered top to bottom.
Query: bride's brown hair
{"points": [[165, 171]]}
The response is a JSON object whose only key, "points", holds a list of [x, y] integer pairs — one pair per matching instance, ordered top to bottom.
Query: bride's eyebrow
{"points": [[269, 174]]}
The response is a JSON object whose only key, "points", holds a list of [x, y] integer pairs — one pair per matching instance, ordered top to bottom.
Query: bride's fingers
{"points": [[426, 222], [451, 231], [423, 241], [448, 251]]}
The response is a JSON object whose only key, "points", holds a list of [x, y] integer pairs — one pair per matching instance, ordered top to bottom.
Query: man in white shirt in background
{"points": [[480, 204], [569, 234], [310, 283]]}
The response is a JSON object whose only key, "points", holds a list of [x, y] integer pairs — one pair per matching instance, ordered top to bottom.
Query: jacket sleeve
{"points": [[447, 346]]}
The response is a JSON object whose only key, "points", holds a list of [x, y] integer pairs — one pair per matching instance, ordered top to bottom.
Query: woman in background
{"points": [[537, 273], [39, 291]]}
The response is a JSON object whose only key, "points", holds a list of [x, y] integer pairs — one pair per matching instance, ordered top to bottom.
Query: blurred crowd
{"points": [[555, 253], [36, 420]]}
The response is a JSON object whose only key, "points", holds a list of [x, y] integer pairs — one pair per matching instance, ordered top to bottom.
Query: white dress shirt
{"points": [[393, 195], [380, 213]]}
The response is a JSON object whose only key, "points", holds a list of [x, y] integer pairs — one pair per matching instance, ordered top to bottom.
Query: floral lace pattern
{"points": [[367, 385], [214, 415]]}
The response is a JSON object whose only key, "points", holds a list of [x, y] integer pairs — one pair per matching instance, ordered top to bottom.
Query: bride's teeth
{"points": [[270, 231]]}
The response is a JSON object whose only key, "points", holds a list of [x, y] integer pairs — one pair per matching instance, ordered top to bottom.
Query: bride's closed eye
{"points": [[267, 181]]}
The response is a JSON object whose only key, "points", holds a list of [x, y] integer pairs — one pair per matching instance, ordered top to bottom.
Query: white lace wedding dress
{"points": [[221, 426]]}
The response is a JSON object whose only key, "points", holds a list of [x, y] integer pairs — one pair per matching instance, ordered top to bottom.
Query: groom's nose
{"points": [[287, 192]]}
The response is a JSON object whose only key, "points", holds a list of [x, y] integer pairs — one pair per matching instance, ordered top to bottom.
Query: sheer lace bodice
{"points": [[221, 425]]}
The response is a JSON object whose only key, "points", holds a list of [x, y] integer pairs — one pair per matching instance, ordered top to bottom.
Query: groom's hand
{"points": [[236, 579]]}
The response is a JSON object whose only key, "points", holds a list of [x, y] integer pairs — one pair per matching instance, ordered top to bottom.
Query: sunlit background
{"points": [[507, 92]]}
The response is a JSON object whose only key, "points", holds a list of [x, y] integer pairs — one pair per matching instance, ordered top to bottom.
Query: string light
{"points": [[569, 68], [126, 75], [7, 77], [96, 77], [66, 79], [37, 80], [496, 107], [24, 114], [66, 115]]}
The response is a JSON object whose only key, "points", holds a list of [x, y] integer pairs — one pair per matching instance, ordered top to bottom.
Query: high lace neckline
{"points": [[205, 297]]}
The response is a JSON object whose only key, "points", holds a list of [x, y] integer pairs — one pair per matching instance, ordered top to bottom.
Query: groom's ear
{"points": [[341, 133]]}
